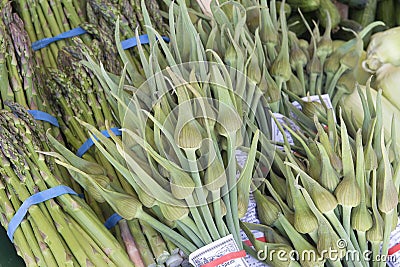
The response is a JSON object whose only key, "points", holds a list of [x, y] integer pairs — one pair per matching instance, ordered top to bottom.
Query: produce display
{"points": [[200, 132]]}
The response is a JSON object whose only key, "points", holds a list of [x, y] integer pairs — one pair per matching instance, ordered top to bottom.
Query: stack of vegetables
{"points": [[350, 14], [26, 80], [181, 129], [141, 135], [149, 135], [337, 192], [65, 231]]}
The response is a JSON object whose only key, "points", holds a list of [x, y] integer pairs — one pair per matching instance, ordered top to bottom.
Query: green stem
{"points": [[71, 13], [57, 15], [26, 17], [51, 19], [46, 29], [271, 51], [47, 61], [300, 75], [335, 78], [15, 79], [328, 81], [312, 83], [318, 90], [253, 94], [337, 97], [261, 120], [191, 154], [232, 181], [216, 198], [229, 219], [346, 219], [189, 223], [277, 224], [189, 232], [342, 233], [314, 235], [386, 235], [51, 237], [206, 238], [353, 239], [179, 240], [362, 241], [72, 242], [141, 242], [157, 244], [28, 246], [376, 250], [45, 252], [94, 253], [336, 263]]}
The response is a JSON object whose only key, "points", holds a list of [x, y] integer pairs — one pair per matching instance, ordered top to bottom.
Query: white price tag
{"points": [[216, 250]]}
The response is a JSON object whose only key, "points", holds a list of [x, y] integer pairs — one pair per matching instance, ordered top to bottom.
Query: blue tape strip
{"points": [[46, 41], [132, 42], [43, 116], [89, 143], [33, 200], [112, 221]]}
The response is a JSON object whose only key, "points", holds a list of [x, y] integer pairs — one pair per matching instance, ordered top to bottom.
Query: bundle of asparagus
{"points": [[46, 19], [50, 19], [21, 81], [56, 232]]}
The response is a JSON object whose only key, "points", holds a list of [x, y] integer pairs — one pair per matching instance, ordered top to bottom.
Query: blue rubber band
{"points": [[65, 35], [132, 42], [43, 116], [89, 143], [33, 200], [112, 221]]}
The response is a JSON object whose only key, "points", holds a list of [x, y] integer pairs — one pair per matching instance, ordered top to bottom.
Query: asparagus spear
{"points": [[44, 24], [54, 25], [46, 55], [15, 79], [5, 88], [41, 177], [21, 238], [141, 242], [130, 244], [157, 244]]}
